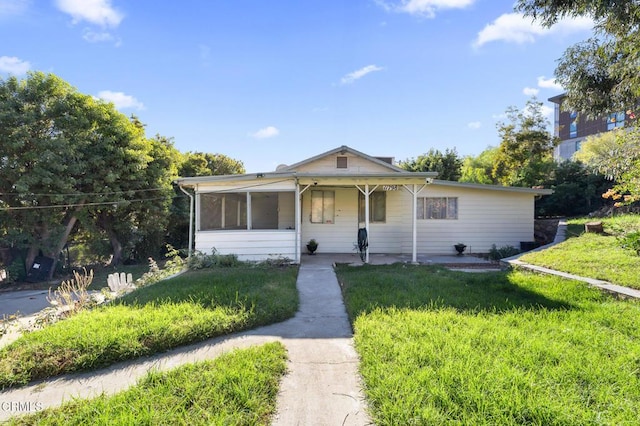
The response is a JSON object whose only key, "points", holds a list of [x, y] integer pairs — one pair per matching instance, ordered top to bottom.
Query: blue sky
{"points": [[272, 82]]}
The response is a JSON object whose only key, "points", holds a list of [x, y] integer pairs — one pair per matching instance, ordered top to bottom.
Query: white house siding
{"points": [[355, 164], [485, 217], [337, 237], [387, 237], [248, 245]]}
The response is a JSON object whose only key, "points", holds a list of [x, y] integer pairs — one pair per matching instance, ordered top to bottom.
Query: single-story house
{"points": [[330, 196]]}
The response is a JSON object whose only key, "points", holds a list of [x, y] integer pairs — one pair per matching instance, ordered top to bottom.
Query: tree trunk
{"points": [[61, 243], [116, 246]]}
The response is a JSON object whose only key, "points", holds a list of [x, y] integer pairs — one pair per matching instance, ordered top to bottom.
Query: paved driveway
{"points": [[26, 302]]}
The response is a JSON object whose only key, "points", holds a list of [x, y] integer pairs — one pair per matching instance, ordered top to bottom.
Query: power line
{"points": [[84, 193], [105, 203]]}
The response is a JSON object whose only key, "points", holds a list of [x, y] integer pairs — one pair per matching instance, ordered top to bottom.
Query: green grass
{"points": [[592, 255], [189, 308], [508, 348], [236, 388]]}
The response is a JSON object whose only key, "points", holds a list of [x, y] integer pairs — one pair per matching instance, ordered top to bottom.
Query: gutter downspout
{"points": [[190, 219]]}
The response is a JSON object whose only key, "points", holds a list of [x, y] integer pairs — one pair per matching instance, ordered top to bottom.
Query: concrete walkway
{"points": [[322, 386]]}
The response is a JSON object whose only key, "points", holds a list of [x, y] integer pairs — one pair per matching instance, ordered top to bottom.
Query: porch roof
{"points": [[348, 179]]}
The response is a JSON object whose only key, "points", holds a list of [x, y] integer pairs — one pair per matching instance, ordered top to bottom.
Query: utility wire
{"points": [[84, 193], [105, 203]]}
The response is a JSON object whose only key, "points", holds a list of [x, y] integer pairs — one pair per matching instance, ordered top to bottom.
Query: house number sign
{"points": [[389, 187]]}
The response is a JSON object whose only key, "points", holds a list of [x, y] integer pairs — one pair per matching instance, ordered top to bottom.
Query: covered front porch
{"points": [[331, 209]]}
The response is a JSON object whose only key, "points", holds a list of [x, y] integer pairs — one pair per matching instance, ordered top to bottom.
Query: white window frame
{"points": [[450, 208]]}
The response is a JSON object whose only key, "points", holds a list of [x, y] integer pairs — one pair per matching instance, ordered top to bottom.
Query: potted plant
{"points": [[312, 246], [460, 248]]}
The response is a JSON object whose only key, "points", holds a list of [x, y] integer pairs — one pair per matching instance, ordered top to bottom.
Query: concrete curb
{"points": [[616, 290]]}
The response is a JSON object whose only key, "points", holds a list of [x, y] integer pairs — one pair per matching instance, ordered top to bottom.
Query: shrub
{"points": [[631, 241], [502, 252], [199, 260]]}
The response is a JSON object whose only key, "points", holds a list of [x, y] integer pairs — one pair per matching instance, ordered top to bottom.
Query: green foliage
{"points": [[599, 74], [525, 154], [447, 164], [480, 169], [576, 191], [631, 241], [496, 253], [199, 260], [186, 309], [507, 348], [237, 388]]}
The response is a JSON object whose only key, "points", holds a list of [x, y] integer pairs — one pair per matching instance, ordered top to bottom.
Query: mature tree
{"points": [[601, 73], [62, 152], [525, 154], [615, 154], [195, 164], [205, 164], [447, 164], [479, 169], [577, 190]]}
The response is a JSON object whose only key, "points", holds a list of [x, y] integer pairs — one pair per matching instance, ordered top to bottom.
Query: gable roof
{"points": [[341, 150]]}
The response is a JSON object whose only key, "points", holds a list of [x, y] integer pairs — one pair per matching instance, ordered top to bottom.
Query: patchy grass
{"points": [[592, 255], [189, 308], [508, 348], [236, 388]]}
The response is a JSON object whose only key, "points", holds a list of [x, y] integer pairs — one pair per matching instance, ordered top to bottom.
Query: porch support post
{"points": [[414, 191], [366, 192], [298, 207], [366, 217], [298, 223], [414, 246]]}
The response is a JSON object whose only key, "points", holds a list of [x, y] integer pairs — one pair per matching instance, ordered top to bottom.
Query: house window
{"points": [[615, 120], [573, 125], [341, 162], [323, 206], [377, 207], [437, 208], [226, 211]]}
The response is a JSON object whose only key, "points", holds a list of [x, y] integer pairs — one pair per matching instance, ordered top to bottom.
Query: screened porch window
{"points": [[323, 206], [377, 207], [437, 208], [269, 210], [223, 211]]}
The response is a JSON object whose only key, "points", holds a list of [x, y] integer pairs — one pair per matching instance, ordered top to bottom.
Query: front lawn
{"points": [[593, 255], [192, 307], [508, 348], [235, 388]]}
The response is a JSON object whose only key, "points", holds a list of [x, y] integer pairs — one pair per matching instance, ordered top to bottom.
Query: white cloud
{"points": [[13, 7], [427, 8], [99, 12], [516, 28], [96, 37], [13, 65], [353, 76], [549, 83], [531, 91], [121, 100], [547, 111], [474, 125], [267, 132]]}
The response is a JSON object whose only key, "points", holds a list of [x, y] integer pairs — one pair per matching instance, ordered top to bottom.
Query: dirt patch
{"points": [[545, 230]]}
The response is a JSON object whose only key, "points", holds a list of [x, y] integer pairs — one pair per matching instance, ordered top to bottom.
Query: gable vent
{"points": [[341, 162]]}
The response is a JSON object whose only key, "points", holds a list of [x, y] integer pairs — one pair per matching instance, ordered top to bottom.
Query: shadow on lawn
{"points": [[420, 287]]}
